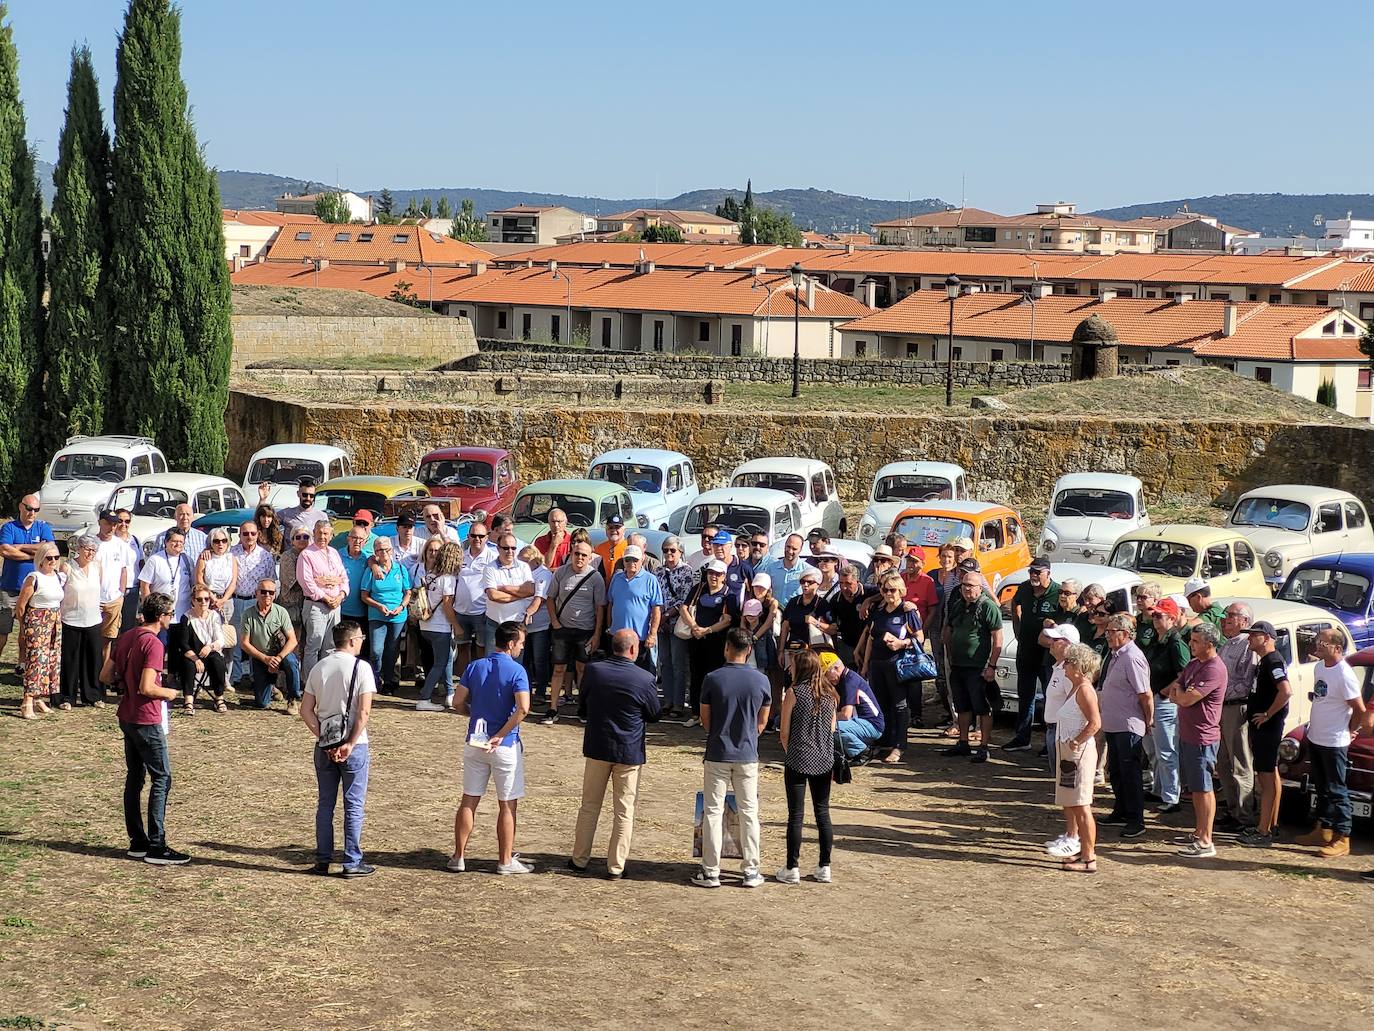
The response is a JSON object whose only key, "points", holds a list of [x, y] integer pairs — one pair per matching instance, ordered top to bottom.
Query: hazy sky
{"points": [[1095, 102]]}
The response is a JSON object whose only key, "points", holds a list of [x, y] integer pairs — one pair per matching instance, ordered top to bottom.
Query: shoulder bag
{"points": [[419, 601], [558, 609], [681, 630], [815, 636], [914, 663], [334, 729], [841, 773]]}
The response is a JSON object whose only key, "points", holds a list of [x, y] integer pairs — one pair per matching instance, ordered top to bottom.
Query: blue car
{"points": [[387, 528], [1341, 585]]}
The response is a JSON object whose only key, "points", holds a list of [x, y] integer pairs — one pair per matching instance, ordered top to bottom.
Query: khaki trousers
{"points": [[1235, 766], [718, 779], [624, 781]]}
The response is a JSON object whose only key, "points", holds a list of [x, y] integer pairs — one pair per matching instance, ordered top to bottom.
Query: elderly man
{"points": [[305, 513], [433, 524], [19, 540], [196, 540], [638, 540], [554, 543], [610, 550], [355, 557], [116, 564], [255, 564], [786, 572], [508, 584], [324, 586], [1199, 594], [1146, 597], [133, 598], [577, 600], [635, 602], [1033, 607], [849, 609], [269, 641], [973, 641], [1167, 653], [1198, 692], [621, 699], [1127, 706], [859, 718], [1235, 766]]}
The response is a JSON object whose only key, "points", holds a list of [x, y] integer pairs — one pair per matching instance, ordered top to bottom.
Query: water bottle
{"points": [[479, 736]]}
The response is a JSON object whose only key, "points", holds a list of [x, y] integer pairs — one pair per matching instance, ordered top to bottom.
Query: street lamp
{"points": [[315, 264], [422, 267], [557, 275], [952, 292], [1029, 298], [796, 328]]}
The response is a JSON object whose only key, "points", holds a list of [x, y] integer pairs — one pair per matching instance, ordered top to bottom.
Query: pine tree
{"points": [[385, 202], [426, 208], [444, 210], [747, 233], [169, 282], [78, 380], [22, 439]]}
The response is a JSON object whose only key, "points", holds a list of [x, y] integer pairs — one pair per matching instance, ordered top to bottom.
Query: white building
{"points": [[359, 208]]}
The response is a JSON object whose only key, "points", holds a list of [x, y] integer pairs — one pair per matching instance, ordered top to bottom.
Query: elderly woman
{"points": [[218, 569], [676, 579], [385, 594], [1092, 598], [709, 613], [82, 622], [894, 627], [40, 634], [1058, 640], [202, 649], [538, 654], [1167, 654], [1076, 726]]}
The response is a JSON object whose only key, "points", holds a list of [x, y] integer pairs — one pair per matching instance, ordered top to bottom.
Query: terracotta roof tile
{"points": [[265, 218], [373, 243]]}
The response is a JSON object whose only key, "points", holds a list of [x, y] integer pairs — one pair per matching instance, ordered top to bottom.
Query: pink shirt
{"points": [[315, 564]]}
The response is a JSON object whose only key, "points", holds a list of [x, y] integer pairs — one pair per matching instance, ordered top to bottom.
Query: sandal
{"points": [[220, 705], [66, 706], [189, 707], [1080, 866]]}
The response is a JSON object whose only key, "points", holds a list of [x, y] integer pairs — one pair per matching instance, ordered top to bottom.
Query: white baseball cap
{"points": [[763, 580], [1194, 585], [1063, 632]]}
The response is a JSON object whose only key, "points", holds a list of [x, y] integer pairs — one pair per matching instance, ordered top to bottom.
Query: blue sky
{"points": [[1100, 103]]}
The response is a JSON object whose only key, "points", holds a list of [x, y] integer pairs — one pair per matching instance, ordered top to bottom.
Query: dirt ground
{"points": [[944, 909]]}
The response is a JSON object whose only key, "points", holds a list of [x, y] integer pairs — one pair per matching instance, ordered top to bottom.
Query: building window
{"points": [[980, 234], [1006, 234], [303, 236], [341, 237], [364, 237], [1046, 237], [400, 238], [243, 250], [1125, 291], [1150, 293], [1221, 297], [1254, 297], [1275, 298], [1321, 298], [1366, 311], [462, 313], [500, 320], [525, 321], [555, 326], [1329, 329], [703, 332], [606, 334], [658, 334], [736, 339], [860, 348], [913, 349], [958, 354], [997, 354], [1170, 361], [1264, 374], [1363, 383]]}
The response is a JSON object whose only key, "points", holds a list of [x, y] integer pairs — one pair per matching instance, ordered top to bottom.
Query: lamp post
{"points": [[315, 264], [422, 267], [557, 275], [952, 292], [1029, 298], [796, 328]]}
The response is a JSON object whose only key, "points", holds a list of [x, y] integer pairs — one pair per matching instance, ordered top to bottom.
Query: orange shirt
{"points": [[610, 556]]}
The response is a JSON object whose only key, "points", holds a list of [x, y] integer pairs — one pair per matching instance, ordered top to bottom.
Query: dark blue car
{"points": [[1341, 585]]}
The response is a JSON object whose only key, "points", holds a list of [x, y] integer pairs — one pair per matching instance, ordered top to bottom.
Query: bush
{"points": [[1326, 393]]}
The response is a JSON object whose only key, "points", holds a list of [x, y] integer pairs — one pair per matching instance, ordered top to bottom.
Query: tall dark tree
{"points": [[385, 202], [427, 208], [444, 209], [729, 209], [747, 231], [169, 282], [21, 290], [78, 380]]}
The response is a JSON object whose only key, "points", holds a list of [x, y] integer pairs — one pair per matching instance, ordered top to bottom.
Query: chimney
{"points": [[849, 248], [238, 263], [321, 263], [529, 263], [605, 264], [396, 265], [710, 266], [477, 267], [553, 267], [644, 268], [759, 270], [1040, 289], [810, 293], [870, 293], [1105, 295], [1228, 319]]}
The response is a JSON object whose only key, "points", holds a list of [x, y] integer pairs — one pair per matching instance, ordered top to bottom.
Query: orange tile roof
{"points": [[527, 209], [671, 214], [265, 218], [940, 219], [374, 243], [624, 255], [1353, 276], [377, 280]]}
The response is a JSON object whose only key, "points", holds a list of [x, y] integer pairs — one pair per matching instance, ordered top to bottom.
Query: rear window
{"points": [[105, 468], [285, 470], [455, 472], [794, 485], [918, 489], [1110, 504], [1163, 558], [1328, 588]]}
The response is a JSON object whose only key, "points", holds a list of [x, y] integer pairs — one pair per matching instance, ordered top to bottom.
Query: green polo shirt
{"points": [[1034, 611], [1213, 614], [970, 631], [267, 633]]}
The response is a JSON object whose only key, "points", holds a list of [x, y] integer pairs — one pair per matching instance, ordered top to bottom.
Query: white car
{"points": [[283, 466], [81, 475], [660, 482], [811, 484], [899, 485], [153, 500], [737, 510], [1088, 512], [1289, 523]]}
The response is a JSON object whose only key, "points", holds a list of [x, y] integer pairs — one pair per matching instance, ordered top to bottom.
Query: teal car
{"points": [[588, 504]]}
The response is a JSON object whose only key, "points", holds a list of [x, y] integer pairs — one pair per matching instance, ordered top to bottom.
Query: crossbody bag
{"points": [[558, 609], [334, 729]]}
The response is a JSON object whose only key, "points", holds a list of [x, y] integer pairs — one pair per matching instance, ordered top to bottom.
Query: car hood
{"points": [[85, 495], [644, 502], [885, 513], [1092, 529], [1266, 538]]}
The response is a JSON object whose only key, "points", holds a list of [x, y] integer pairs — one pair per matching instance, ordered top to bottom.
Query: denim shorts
{"points": [[471, 627], [766, 653], [1198, 764]]}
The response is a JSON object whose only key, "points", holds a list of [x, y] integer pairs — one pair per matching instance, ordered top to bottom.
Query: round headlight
{"points": [[867, 528], [1048, 544], [1273, 559], [1288, 749]]}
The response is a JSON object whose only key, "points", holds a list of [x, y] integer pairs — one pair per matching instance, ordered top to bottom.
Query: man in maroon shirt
{"points": [[136, 664], [1198, 692]]}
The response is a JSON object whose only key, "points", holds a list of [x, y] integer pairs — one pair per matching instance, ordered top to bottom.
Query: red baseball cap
{"points": [[364, 516], [917, 552], [1167, 606]]}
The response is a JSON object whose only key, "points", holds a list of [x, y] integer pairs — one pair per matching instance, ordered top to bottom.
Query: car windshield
{"points": [[105, 468], [285, 470], [456, 472], [635, 476], [793, 484], [913, 488], [158, 502], [341, 504], [1109, 504], [535, 508], [1273, 512], [737, 518], [931, 531], [1164, 558], [1333, 589]]}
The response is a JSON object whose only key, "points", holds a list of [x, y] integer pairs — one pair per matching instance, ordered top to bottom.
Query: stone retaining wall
{"points": [[266, 338]]}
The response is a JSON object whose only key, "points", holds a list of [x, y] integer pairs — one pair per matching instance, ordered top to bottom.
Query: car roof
{"points": [[104, 443], [318, 451], [486, 454], [645, 455], [780, 464], [948, 470], [179, 481], [1110, 481], [376, 484], [583, 488], [1298, 492], [756, 497], [961, 508], [225, 517], [1183, 533], [1354, 561], [1110, 577], [1277, 610]]}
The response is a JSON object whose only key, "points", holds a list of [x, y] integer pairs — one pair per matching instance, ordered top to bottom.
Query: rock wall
{"points": [[265, 338], [1011, 459]]}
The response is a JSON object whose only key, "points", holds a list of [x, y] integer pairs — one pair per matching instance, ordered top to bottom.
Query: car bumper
{"points": [[1361, 802]]}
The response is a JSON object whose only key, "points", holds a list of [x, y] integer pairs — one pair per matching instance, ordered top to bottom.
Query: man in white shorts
{"points": [[495, 693]]}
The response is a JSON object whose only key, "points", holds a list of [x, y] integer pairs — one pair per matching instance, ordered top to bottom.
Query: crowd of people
{"points": [[835, 660]]}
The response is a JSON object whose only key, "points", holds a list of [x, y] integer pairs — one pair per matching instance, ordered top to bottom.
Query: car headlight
{"points": [[643, 521], [867, 528], [1048, 544], [1273, 560], [1288, 749]]}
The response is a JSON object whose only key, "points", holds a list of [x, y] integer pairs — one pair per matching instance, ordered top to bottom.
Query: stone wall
{"points": [[266, 338], [504, 356], [1012, 459]]}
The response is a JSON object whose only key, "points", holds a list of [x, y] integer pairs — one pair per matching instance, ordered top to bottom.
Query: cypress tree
{"points": [[169, 281], [21, 290], [78, 346]]}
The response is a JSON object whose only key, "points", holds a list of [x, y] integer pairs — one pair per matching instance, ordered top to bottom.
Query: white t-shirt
{"points": [[423, 535], [411, 555], [113, 557], [513, 575], [172, 577], [543, 581], [48, 589], [435, 592], [469, 598], [81, 602], [328, 682], [1335, 686], [1056, 693]]}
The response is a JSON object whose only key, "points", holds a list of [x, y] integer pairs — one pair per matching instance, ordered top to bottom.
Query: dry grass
{"points": [[288, 300], [943, 903]]}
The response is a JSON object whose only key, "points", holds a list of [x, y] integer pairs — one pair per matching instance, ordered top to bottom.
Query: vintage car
{"points": [[282, 467], [82, 474], [479, 477], [660, 482], [811, 484], [899, 485], [343, 496], [153, 499], [587, 503], [738, 510], [1088, 512], [1287, 523], [998, 535], [1174, 553], [1340, 584], [1295, 761]]}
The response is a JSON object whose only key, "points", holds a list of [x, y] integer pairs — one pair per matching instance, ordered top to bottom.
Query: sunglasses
{"points": [[306, 497], [33, 508], [124, 522], [361, 522], [248, 533], [478, 536], [301, 537], [758, 544], [512, 547], [672, 551], [265, 591], [201, 597]]}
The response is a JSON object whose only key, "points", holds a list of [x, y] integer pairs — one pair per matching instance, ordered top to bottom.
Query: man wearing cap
{"points": [[305, 513], [366, 519], [433, 524], [818, 540], [555, 542], [613, 547], [963, 548], [355, 558], [883, 562], [116, 565], [786, 572], [920, 585], [1199, 595], [635, 599], [1034, 606], [973, 641], [1167, 654], [1198, 692], [1127, 707], [1265, 712], [859, 720], [1234, 766]]}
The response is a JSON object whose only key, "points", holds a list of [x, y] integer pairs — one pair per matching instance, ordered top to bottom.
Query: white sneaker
{"points": [[428, 706], [692, 721], [1056, 841], [1067, 848], [457, 864], [513, 867], [788, 875], [822, 875], [754, 879], [704, 880]]}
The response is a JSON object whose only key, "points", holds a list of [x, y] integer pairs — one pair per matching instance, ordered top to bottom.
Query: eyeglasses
{"points": [[33, 508], [124, 522], [361, 522], [248, 533], [478, 536], [219, 540], [672, 551], [49, 558], [628, 560], [971, 587], [891, 590], [265, 591], [201, 597]]}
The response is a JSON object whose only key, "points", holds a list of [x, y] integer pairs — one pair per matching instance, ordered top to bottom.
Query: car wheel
{"points": [[1295, 807]]}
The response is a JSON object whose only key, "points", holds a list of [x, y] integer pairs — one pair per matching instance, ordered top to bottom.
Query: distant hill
{"points": [[45, 172], [1269, 214]]}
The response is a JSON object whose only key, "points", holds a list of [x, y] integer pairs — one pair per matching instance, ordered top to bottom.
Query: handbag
{"points": [[419, 601], [681, 630], [914, 663], [334, 728], [841, 772]]}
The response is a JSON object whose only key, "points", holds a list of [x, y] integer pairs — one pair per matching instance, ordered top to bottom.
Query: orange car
{"points": [[998, 535]]}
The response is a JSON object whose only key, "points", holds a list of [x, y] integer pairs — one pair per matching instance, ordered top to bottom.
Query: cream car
{"points": [[899, 485], [153, 500], [1088, 513], [1290, 523], [1174, 553]]}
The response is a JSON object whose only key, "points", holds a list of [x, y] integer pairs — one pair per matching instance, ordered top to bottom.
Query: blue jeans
{"points": [[386, 643], [538, 659], [240, 667], [441, 669], [672, 669], [264, 679], [1030, 680], [856, 735], [1165, 736], [145, 757], [1329, 767], [352, 774]]}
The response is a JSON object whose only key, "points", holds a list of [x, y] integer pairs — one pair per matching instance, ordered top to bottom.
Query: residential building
{"points": [[359, 208], [536, 224], [695, 226], [1188, 231], [1350, 233], [248, 234], [836, 240], [370, 244]]}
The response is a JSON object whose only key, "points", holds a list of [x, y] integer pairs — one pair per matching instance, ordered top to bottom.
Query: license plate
{"points": [[1361, 808]]}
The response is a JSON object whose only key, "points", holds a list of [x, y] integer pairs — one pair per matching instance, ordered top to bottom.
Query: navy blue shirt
{"points": [[737, 576], [709, 607], [794, 614], [881, 621], [854, 690], [736, 694], [621, 699]]}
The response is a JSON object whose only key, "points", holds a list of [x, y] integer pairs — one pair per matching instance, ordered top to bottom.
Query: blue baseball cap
{"points": [[615, 520], [722, 537]]}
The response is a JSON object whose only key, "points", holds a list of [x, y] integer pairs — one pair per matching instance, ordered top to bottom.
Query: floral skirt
{"points": [[40, 644]]}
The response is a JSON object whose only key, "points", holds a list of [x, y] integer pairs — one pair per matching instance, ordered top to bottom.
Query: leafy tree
{"points": [[385, 203], [333, 207], [426, 208], [412, 210], [444, 210], [466, 225], [774, 227], [661, 232], [169, 282], [21, 290], [402, 293], [78, 380], [1326, 393]]}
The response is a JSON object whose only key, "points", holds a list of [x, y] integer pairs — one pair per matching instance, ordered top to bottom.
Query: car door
{"points": [[337, 468], [505, 484], [233, 498], [208, 500], [627, 509], [834, 511], [1328, 529], [1357, 529]]}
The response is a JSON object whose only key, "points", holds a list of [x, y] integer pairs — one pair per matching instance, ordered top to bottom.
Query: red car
{"points": [[479, 477], [1295, 767]]}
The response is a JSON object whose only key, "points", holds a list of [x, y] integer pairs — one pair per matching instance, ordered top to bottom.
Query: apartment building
{"points": [[360, 209], [537, 225], [695, 226], [249, 234]]}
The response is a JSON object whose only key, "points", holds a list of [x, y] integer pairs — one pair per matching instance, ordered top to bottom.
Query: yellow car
{"points": [[344, 495], [1175, 553]]}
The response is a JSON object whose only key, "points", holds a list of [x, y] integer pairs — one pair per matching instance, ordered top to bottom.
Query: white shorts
{"points": [[506, 766]]}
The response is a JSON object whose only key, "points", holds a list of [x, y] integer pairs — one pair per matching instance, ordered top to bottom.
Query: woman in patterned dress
{"points": [[40, 637]]}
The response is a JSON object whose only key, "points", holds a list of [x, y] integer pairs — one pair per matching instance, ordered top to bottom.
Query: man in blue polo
{"points": [[19, 539], [786, 572], [635, 598], [859, 720]]}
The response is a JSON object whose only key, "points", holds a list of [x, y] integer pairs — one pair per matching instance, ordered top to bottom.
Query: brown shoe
{"points": [[293, 708], [1318, 835], [1337, 849]]}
